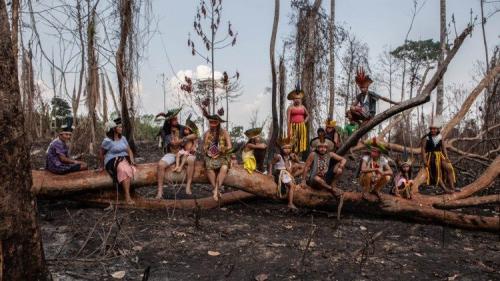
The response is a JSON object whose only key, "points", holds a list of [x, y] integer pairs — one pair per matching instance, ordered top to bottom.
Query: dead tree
{"points": [[125, 9], [210, 11], [442, 53], [331, 65], [308, 69], [93, 77], [274, 92], [282, 95], [421, 208], [21, 251]]}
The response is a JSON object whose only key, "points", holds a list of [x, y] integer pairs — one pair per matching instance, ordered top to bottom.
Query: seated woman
{"points": [[254, 143], [188, 146], [217, 148], [117, 157], [58, 160], [281, 168], [375, 169], [402, 181]]}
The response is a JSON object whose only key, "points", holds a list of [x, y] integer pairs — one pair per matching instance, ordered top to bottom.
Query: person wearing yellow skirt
{"points": [[297, 118], [254, 143], [437, 164]]}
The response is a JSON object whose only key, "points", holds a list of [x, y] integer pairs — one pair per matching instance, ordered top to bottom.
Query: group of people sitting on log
{"points": [[321, 169]]}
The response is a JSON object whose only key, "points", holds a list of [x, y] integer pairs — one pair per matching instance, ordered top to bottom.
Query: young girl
{"points": [[297, 120], [254, 143], [188, 146], [281, 168], [402, 180]]}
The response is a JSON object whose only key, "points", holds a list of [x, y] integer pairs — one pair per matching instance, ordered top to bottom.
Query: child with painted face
{"points": [[254, 144], [188, 145], [281, 168], [402, 181]]}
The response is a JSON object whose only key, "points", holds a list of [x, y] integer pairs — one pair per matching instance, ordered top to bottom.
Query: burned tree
{"points": [[208, 15], [122, 68], [21, 251]]}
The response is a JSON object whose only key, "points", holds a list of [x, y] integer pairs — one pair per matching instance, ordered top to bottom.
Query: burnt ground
{"points": [[257, 239]]}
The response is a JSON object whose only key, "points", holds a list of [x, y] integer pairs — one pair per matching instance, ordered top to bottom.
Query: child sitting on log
{"points": [[254, 144], [188, 145], [281, 168], [375, 169], [403, 180]]}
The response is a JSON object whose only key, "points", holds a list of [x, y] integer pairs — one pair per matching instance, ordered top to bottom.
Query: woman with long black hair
{"points": [[217, 147], [117, 157]]}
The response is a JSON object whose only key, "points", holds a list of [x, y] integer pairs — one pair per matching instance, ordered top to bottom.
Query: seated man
{"points": [[365, 104], [173, 137], [58, 160], [375, 169], [320, 171]]}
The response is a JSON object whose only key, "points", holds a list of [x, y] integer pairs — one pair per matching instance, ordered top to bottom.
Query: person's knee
{"points": [[190, 160], [162, 164], [83, 166], [223, 168]]}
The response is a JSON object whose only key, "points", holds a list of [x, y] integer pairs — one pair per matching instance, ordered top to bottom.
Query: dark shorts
{"points": [[66, 169]]}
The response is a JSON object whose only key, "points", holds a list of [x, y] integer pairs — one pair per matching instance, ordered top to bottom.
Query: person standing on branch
{"points": [[365, 104], [297, 117], [173, 136], [217, 148], [435, 156], [58, 160], [375, 170]]}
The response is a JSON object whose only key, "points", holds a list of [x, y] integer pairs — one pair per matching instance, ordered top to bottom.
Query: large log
{"points": [[264, 186]]}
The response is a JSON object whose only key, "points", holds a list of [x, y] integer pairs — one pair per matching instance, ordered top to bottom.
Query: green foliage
{"points": [[422, 51], [60, 108], [60, 113], [146, 128], [236, 132]]}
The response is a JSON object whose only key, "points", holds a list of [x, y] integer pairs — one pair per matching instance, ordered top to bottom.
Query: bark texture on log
{"points": [[264, 186], [144, 203], [21, 250]]}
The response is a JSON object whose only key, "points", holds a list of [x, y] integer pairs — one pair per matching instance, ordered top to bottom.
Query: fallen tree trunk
{"points": [[264, 186], [469, 202], [145, 203]]}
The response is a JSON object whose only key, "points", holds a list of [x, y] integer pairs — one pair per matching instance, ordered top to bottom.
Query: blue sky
{"points": [[378, 23]]}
